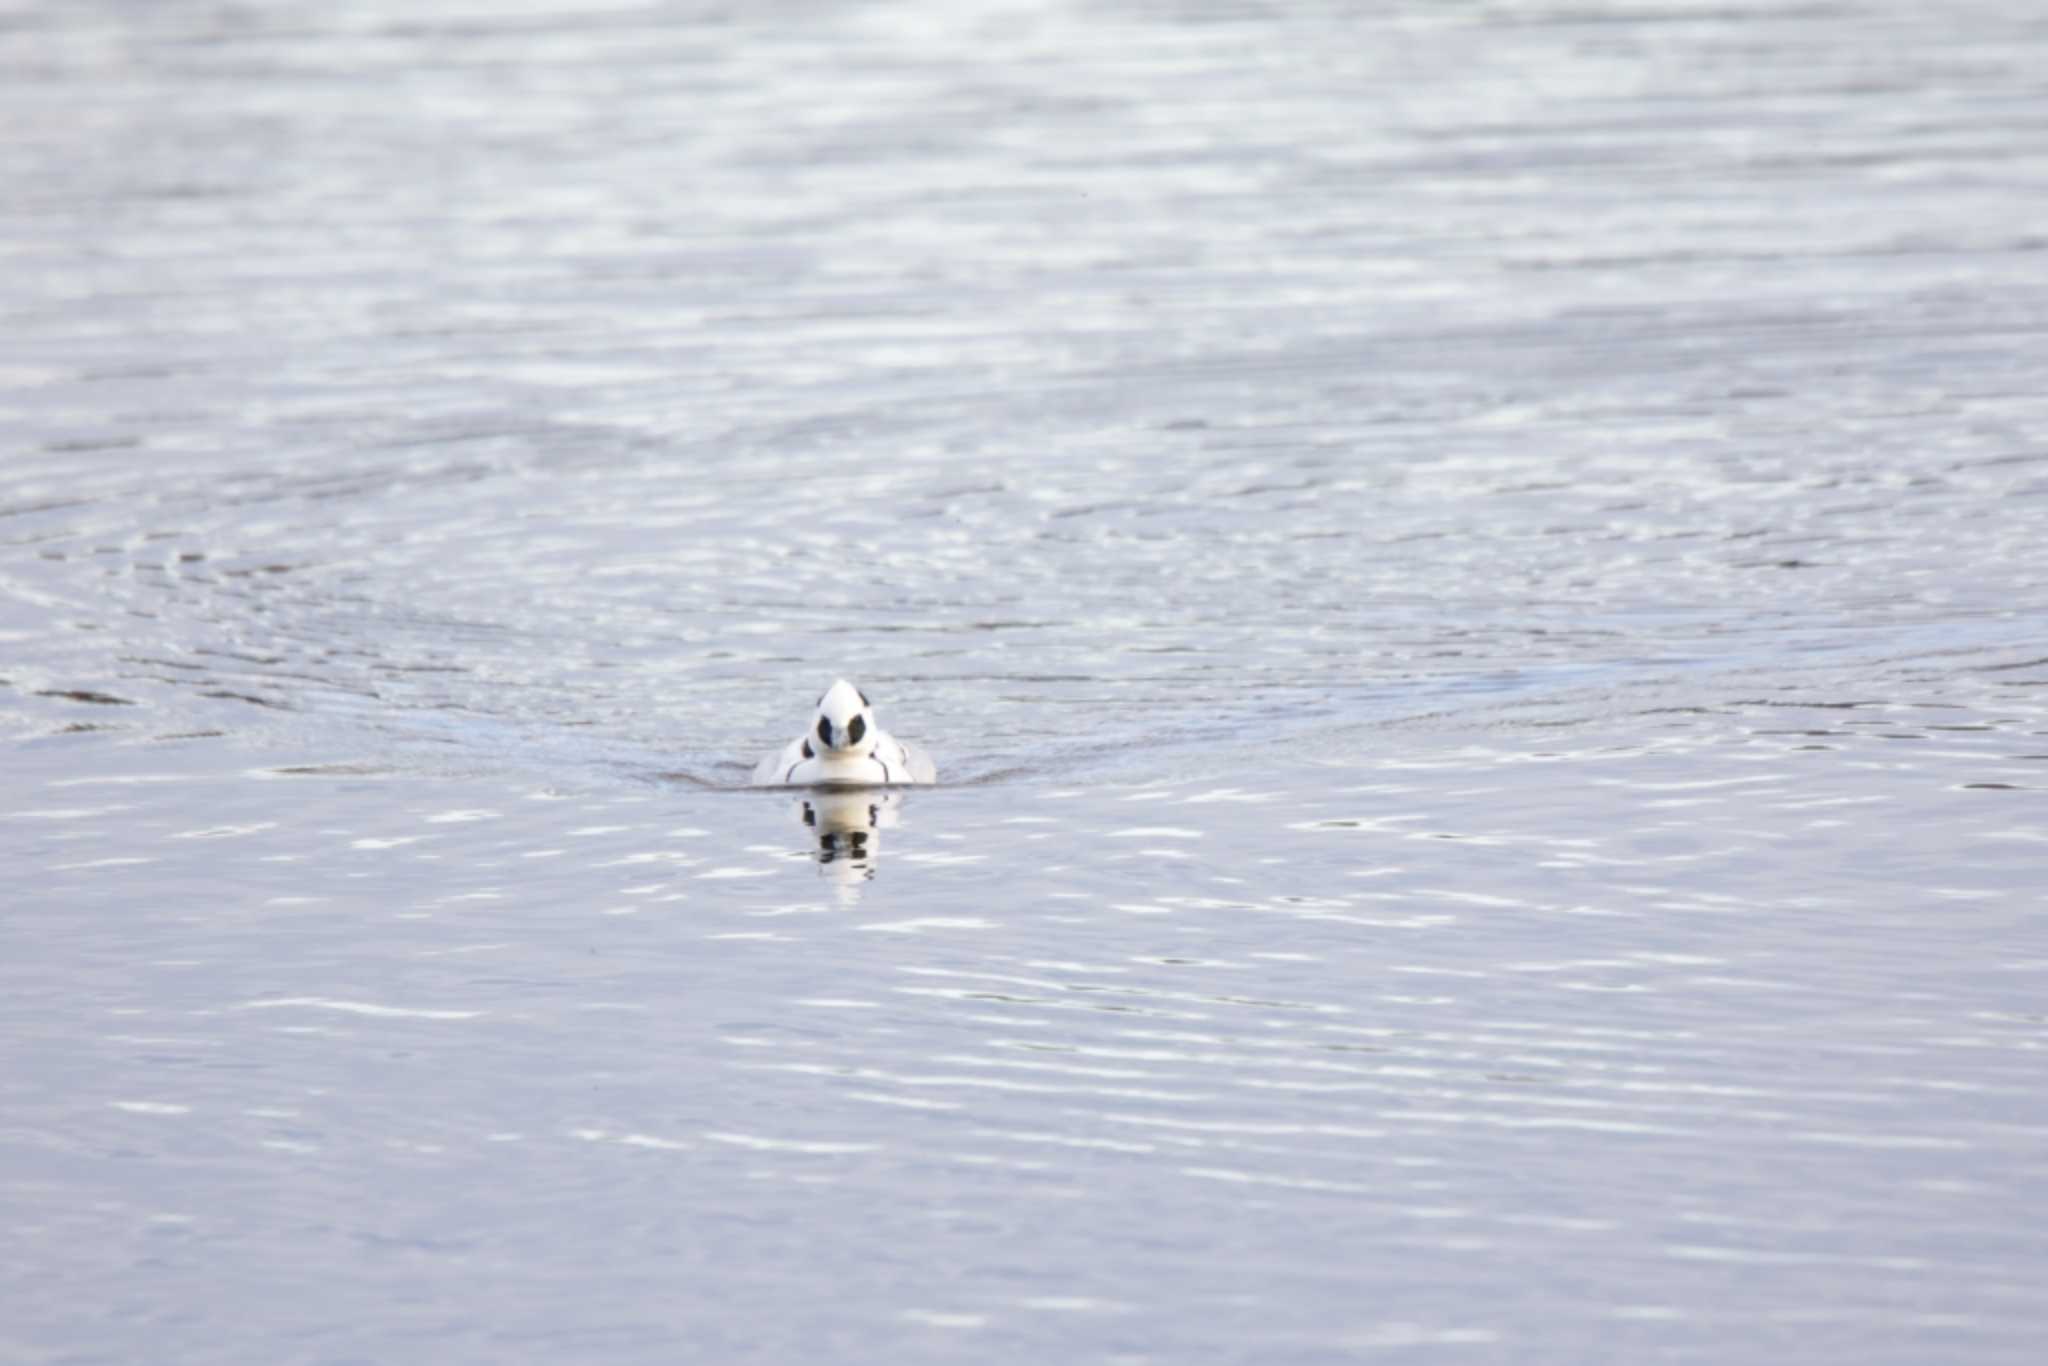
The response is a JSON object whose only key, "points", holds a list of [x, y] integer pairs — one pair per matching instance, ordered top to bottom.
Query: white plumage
{"points": [[845, 748]]}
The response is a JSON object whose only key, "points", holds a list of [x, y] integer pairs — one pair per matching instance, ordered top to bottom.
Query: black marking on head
{"points": [[825, 729], [855, 729], [808, 752]]}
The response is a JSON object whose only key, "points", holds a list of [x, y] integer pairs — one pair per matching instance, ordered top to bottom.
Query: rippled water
{"points": [[1474, 574]]}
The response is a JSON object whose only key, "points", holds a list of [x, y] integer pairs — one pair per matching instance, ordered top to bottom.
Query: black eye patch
{"points": [[825, 729], [856, 730]]}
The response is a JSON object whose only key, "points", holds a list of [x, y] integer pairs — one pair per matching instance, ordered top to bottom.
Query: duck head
{"points": [[844, 723]]}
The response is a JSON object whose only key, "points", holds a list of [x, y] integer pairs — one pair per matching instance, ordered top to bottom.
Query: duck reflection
{"points": [[847, 825]]}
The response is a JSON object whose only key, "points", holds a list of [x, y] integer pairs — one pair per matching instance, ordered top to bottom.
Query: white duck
{"points": [[845, 748]]}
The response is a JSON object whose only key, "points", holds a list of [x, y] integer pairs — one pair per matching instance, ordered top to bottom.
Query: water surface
{"points": [[1473, 574]]}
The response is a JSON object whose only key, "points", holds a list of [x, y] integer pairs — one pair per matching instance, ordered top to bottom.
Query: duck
{"points": [[845, 748]]}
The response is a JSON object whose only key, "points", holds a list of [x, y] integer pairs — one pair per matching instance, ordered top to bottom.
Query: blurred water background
{"points": [[1474, 572]]}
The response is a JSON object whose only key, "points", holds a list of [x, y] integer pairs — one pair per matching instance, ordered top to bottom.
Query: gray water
{"points": [[1474, 573]]}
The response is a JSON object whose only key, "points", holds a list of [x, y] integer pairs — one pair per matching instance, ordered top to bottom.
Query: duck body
{"points": [[845, 748]]}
